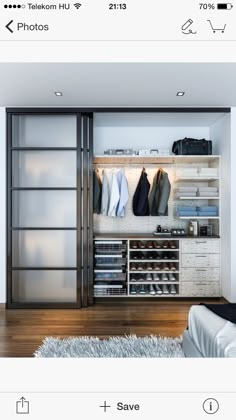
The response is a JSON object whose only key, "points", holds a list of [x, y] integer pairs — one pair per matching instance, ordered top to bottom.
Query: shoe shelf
{"points": [[148, 287]]}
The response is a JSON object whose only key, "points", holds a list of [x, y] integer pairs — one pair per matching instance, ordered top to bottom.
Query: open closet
{"points": [[63, 250]]}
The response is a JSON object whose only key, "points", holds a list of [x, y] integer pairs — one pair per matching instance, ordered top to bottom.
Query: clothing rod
{"points": [[101, 165]]}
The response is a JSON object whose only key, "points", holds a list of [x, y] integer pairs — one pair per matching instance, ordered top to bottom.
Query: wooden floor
{"points": [[22, 331]]}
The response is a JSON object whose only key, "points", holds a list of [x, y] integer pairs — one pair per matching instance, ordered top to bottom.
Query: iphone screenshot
{"points": [[117, 210]]}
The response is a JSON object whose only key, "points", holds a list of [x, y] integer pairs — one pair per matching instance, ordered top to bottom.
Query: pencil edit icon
{"points": [[22, 406]]}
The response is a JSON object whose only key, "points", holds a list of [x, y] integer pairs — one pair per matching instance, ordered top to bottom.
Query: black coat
{"points": [[140, 198]]}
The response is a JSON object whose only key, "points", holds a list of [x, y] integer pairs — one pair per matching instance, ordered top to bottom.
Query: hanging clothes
{"points": [[97, 192], [123, 192], [160, 193], [105, 194], [114, 195], [140, 198]]}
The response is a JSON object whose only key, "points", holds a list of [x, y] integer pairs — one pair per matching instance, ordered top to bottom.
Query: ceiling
{"points": [[118, 84]]}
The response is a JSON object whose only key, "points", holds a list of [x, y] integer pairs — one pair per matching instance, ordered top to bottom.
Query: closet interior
{"points": [[64, 250]]}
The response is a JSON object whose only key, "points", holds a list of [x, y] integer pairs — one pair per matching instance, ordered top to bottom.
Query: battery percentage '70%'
{"points": [[206, 6]]}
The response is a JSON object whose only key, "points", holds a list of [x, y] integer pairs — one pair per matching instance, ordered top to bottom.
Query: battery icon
{"points": [[224, 6]]}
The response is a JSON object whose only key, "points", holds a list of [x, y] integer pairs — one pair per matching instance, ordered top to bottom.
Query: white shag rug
{"points": [[128, 346]]}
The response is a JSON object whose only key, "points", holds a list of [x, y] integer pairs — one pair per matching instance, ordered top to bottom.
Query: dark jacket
{"points": [[97, 192], [160, 193], [140, 198]]}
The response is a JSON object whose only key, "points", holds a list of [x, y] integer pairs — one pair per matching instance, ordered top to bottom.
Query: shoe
{"points": [[134, 245], [141, 245], [149, 245], [156, 245], [165, 245], [172, 245], [134, 256], [141, 256], [150, 256], [158, 256], [165, 256], [172, 257], [149, 266], [156, 266], [165, 266], [133, 267], [140, 267], [172, 267], [133, 277], [141, 277], [148, 277], [156, 277], [164, 277], [172, 277], [133, 289], [137, 289], [157, 289], [165, 289], [142, 290], [173, 290], [152, 291]]}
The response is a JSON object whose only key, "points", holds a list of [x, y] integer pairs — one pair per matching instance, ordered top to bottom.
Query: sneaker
{"points": [[134, 245], [141, 245], [149, 245], [156, 245], [165, 245], [172, 245], [134, 256], [141, 256], [150, 256], [158, 256], [165, 256], [172, 256], [149, 266], [133, 267], [140, 267], [156, 267], [165, 267], [172, 267], [133, 277], [141, 277], [148, 277], [156, 277], [164, 277], [172, 277], [133, 289], [157, 289], [165, 289], [142, 290], [173, 290], [152, 291]]}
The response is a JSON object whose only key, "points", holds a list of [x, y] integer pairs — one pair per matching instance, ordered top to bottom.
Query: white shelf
{"points": [[197, 179], [197, 198], [199, 217], [154, 249], [153, 272], [154, 282]]}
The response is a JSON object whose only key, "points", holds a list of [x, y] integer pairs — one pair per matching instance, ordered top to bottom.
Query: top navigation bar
{"points": [[128, 20]]}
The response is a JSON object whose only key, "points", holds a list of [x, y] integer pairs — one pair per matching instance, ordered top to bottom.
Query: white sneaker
{"points": [[148, 277], [156, 277], [164, 277], [172, 277], [158, 289], [165, 289], [151, 290], [173, 290]]}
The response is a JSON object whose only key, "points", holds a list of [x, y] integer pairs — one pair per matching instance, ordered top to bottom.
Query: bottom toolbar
{"points": [[164, 405]]}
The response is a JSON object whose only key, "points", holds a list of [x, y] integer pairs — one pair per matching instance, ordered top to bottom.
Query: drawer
{"points": [[195, 246], [201, 260], [200, 274], [200, 289]]}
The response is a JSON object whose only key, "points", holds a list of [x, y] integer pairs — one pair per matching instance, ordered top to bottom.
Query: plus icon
{"points": [[105, 406]]}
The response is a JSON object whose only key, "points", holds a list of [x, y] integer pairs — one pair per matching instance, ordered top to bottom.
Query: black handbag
{"points": [[189, 146]]}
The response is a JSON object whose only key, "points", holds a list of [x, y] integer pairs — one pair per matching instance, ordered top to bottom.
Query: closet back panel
{"points": [[44, 131], [37, 169], [44, 248], [44, 286]]}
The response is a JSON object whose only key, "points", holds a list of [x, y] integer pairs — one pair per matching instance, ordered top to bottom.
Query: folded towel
{"points": [[208, 208]]}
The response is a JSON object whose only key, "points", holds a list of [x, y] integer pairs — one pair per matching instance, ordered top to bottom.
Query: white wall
{"points": [[233, 205], [2, 206]]}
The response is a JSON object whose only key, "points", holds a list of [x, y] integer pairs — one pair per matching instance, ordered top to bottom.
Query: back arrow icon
{"points": [[8, 26]]}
